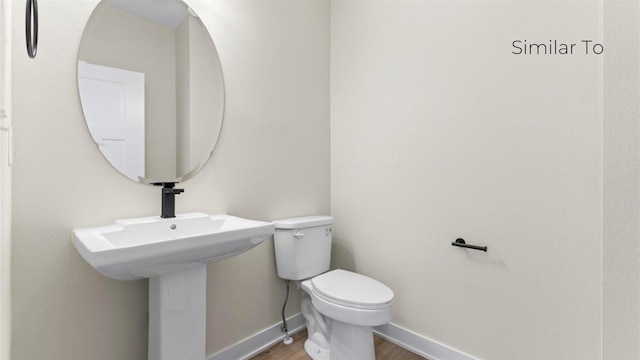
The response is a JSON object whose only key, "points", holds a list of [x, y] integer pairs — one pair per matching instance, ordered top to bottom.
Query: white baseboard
{"points": [[407, 339], [257, 343], [419, 344]]}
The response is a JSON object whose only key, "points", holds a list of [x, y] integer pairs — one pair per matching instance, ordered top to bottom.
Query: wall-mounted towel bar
{"points": [[461, 243]]}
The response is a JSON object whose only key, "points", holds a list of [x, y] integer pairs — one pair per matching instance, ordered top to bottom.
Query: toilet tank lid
{"points": [[303, 222]]}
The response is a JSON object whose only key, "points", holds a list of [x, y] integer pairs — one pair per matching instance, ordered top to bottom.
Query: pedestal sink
{"points": [[173, 254]]}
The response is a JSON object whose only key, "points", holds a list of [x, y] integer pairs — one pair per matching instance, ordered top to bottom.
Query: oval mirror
{"points": [[151, 88]]}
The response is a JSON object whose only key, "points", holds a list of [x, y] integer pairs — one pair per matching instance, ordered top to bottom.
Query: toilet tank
{"points": [[302, 246]]}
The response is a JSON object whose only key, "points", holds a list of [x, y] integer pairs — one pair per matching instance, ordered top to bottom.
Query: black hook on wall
{"points": [[31, 27]]}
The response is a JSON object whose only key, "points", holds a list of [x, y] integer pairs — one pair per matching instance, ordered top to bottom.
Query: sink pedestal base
{"points": [[177, 315]]}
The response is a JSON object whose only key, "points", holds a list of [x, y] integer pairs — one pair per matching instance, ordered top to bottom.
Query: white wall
{"points": [[275, 61], [621, 115], [439, 132], [5, 183]]}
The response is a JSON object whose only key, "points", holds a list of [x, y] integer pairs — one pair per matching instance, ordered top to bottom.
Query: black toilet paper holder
{"points": [[463, 244]]}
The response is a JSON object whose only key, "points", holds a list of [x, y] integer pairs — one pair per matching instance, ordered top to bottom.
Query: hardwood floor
{"points": [[384, 350]]}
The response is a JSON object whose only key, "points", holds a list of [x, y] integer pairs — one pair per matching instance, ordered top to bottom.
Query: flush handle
{"points": [[298, 234]]}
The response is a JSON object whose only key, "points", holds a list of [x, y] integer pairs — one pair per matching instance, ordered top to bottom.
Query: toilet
{"points": [[340, 307]]}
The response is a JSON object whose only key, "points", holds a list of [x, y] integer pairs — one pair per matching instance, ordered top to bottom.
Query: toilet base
{"points": [[350, 342], [316, 352]]}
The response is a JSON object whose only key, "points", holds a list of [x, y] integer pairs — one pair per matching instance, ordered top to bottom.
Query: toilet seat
{"points": [[352, 290], [351, 298]]}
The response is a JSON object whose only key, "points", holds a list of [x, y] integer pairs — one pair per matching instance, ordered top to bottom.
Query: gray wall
{"points": [[438, 131], [621, 211]]}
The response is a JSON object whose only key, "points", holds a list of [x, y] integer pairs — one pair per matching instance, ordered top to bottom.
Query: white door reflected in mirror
{"points": [[113, 103]]}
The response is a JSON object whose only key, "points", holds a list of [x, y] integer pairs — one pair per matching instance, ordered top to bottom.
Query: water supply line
{"points": [[287, 339]]}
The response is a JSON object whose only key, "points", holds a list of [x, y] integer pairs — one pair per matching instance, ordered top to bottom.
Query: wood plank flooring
{"points": [[384, 350]]}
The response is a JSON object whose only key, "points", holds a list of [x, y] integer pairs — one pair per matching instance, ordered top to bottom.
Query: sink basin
{"points": [[152, 246], [173, 254]]}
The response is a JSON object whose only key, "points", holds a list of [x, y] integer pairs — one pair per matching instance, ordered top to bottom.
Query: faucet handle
{"points": [[168, 185]]}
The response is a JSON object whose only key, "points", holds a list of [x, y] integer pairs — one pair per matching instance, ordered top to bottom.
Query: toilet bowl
{"points": [[353, 303], [340, 307]]}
